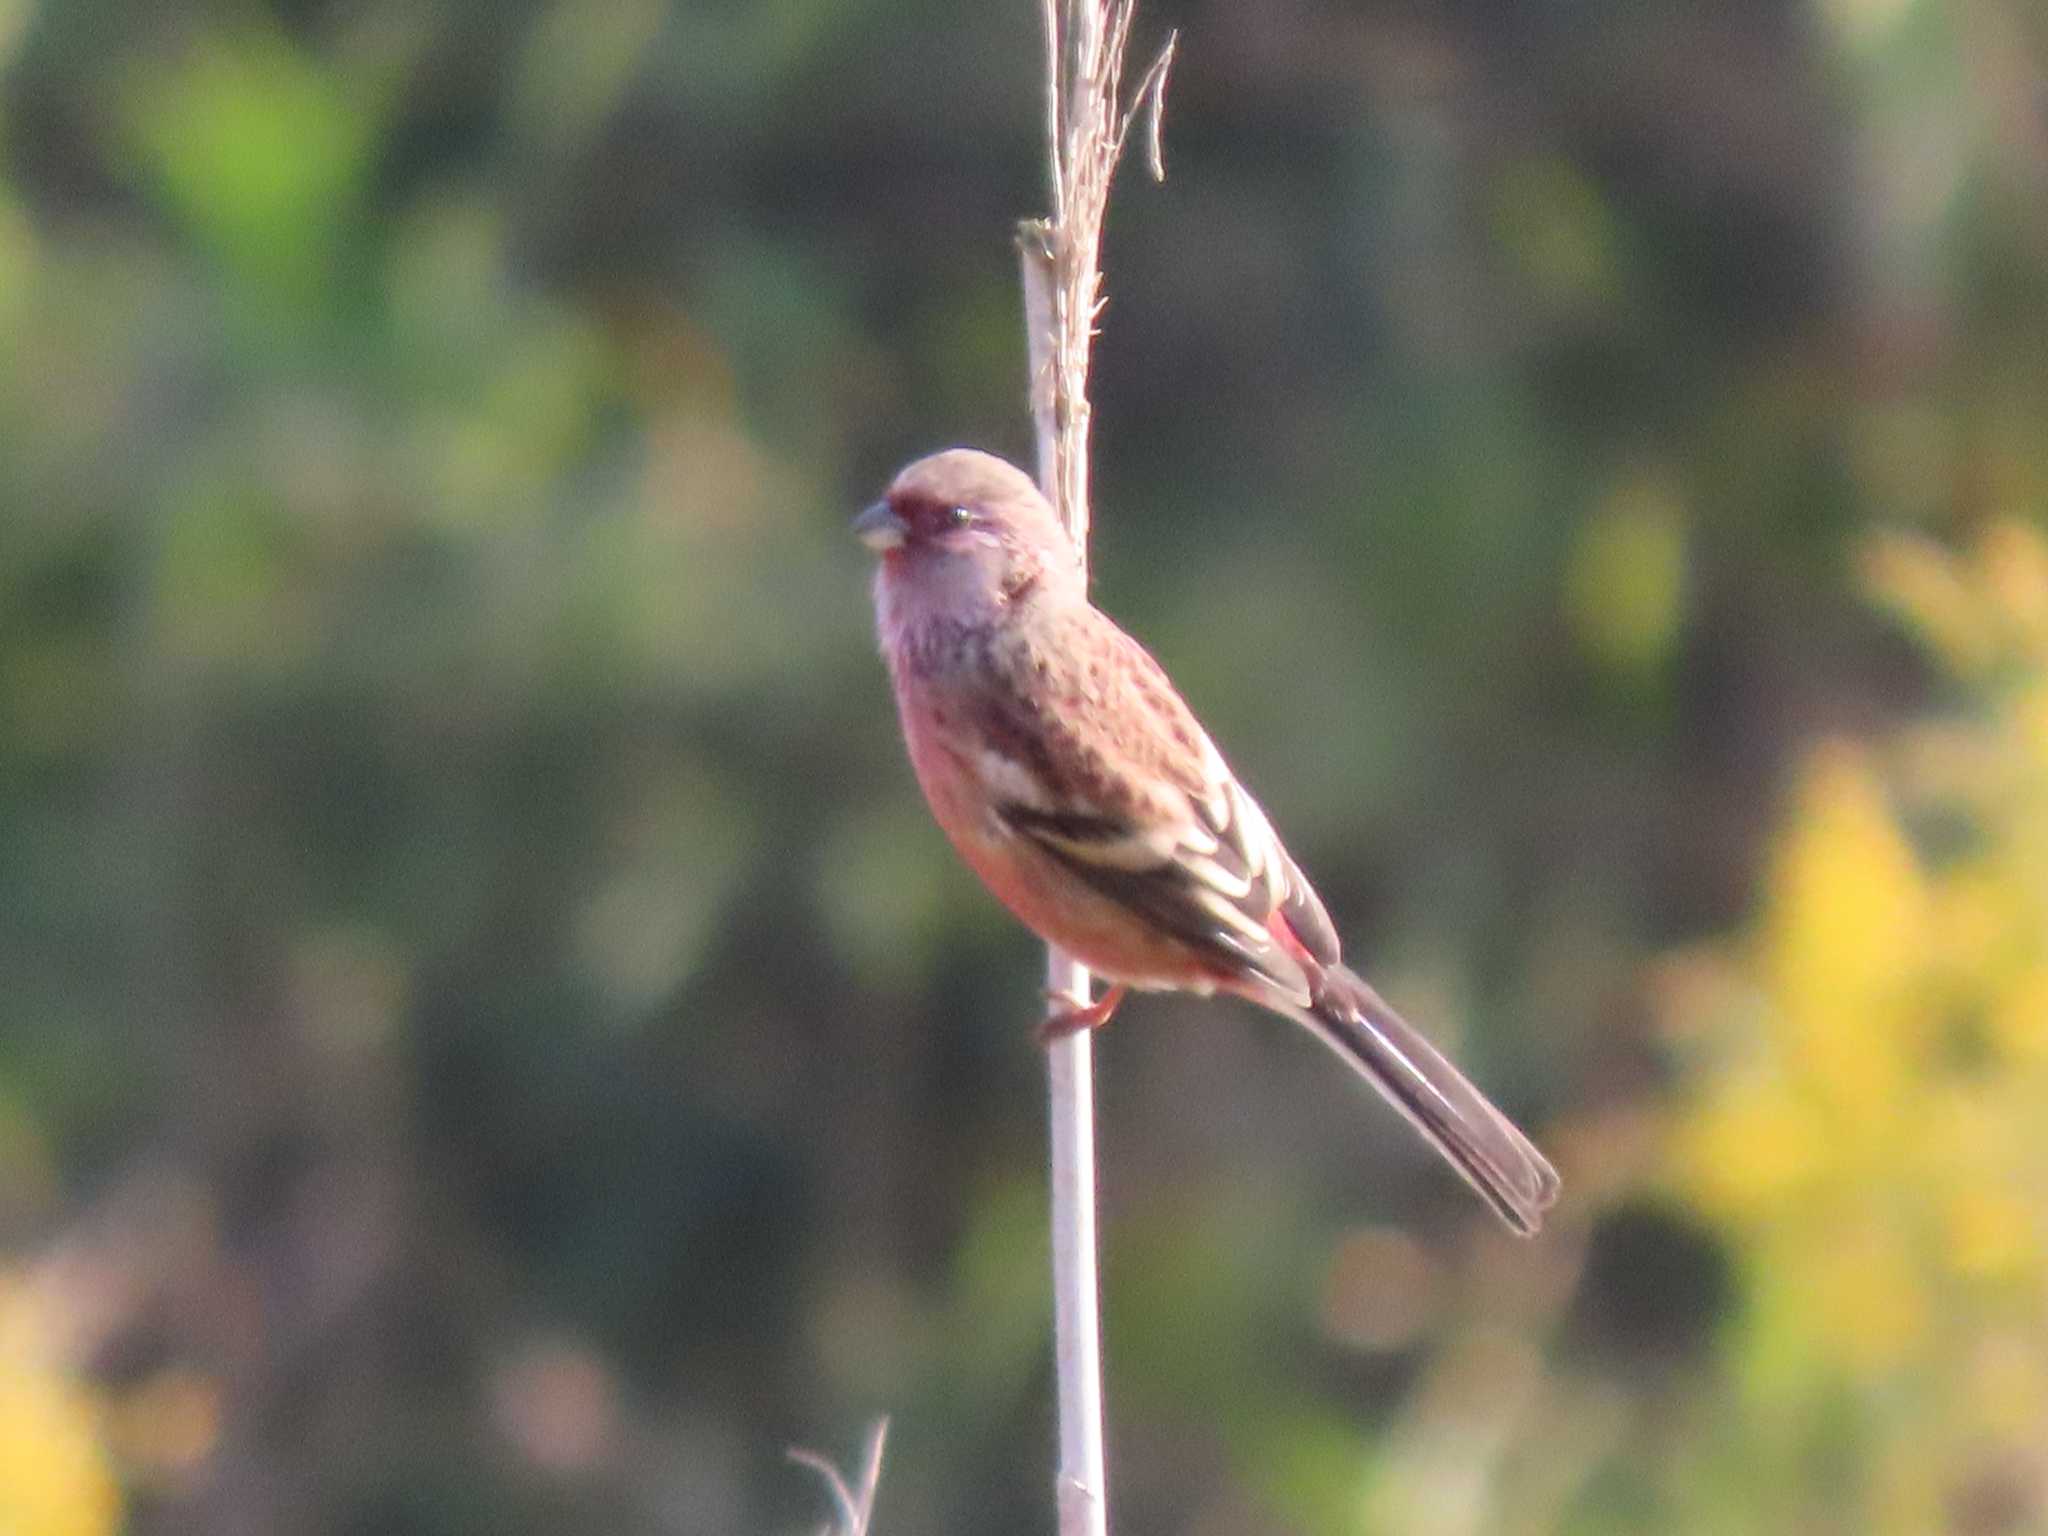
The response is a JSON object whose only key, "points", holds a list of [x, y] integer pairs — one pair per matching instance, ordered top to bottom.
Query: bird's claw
{"points": [[1075, 1017]]}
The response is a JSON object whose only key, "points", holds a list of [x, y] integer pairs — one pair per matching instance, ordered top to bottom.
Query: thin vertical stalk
{"points": [[1086, 125], [1081, 1483]]}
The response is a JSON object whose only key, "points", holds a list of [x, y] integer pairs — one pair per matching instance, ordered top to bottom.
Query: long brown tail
{"points": [[1456, 1118]]}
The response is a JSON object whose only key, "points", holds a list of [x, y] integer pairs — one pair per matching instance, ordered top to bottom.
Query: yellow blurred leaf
{"points": [[2013, 561], [1918, 581], [1625, 585], [1972, 913], [1845, 930], [2018, 1018], [1876, 1141], [1749, 1148], [1991, 1234], [1868, 1302], [2003, 1385], [54, 1475]]}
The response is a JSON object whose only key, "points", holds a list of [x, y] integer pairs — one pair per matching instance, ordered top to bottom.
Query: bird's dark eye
{"points": [[958, 517]]}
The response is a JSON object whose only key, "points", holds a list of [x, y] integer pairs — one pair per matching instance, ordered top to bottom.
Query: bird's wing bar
{"points": [[1246, 841], [1248, 847], [1183, 879]]}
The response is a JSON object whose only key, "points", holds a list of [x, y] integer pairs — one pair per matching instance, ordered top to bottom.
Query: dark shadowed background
{"points": [[490, 1041]]}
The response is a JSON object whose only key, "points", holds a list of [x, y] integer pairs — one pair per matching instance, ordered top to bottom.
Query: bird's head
{"points": [[962, 530]]}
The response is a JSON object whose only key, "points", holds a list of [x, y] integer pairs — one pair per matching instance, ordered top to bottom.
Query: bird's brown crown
{"points": [[932, 494]]}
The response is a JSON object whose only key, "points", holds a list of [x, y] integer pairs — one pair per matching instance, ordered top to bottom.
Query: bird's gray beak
{"points": [[880, 528]]}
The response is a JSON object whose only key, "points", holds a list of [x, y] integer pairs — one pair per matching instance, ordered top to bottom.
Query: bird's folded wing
{"points": [[1125, 789], [1173, 886]]}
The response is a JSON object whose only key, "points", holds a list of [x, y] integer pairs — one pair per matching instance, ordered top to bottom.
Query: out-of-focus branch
{"points": [[1086, 125], [855, 1502]]}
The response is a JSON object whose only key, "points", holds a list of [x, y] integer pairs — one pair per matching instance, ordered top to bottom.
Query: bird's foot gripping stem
{"points": [[1078, 1016]]}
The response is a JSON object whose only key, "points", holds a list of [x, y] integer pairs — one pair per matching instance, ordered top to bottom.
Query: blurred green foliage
{"points": [[491, 1040]]}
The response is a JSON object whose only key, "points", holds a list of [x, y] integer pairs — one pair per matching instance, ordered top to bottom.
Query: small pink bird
{"points": [[1072, 778]]}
